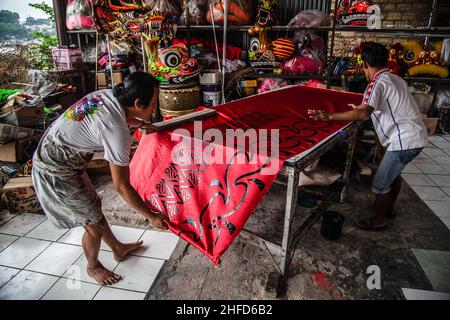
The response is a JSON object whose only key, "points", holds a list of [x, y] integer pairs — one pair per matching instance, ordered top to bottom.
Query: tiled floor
{"points": [[429, 176], [37, 261]]}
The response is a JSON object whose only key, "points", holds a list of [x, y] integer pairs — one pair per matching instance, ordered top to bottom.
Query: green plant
{"points": [[45, 8], [40, 54]]}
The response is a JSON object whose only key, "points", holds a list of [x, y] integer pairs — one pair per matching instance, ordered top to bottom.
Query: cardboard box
{"points": [[118, 77], [209, 77], [101, 79], [430, 123], [10, 133], [20, 150], [19, 196]]}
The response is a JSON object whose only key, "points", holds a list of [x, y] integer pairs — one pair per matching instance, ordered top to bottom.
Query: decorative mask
{"points": [[239, 13], [354, 13], [265, 16], [124, 20], [395, 60], [428, 63], [173, 65]]}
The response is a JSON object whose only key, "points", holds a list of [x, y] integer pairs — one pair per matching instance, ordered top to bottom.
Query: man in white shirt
{"points": [[399, 126]]}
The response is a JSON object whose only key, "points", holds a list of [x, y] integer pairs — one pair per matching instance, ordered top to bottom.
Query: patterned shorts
{"points": [[63, 187]]}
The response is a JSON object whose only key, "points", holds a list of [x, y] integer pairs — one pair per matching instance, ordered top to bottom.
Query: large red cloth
{"points": [[209, 203]]}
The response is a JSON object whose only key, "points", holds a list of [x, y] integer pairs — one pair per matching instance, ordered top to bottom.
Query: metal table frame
{"points": [[292, 168]]}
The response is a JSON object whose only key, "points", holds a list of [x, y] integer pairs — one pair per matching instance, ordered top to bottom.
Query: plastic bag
{"points": [[169, 8], [197, 12], [240, 12], [79, 15], [311, 18], [443, 99]]}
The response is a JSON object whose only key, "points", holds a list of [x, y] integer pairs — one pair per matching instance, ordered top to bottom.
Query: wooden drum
{"points": [[176, 101]]}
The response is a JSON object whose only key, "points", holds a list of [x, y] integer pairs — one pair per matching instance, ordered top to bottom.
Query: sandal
{"points": [[367, 225]]}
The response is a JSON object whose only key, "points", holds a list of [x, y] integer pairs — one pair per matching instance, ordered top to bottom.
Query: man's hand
{"points": [[319, 115], [148, 128], [158, 221]]}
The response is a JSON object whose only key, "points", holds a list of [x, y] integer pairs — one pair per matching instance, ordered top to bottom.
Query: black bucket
{"points": [[332, 223]]}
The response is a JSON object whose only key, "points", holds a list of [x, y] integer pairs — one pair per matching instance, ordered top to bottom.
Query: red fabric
{"points": [[208, 205]]}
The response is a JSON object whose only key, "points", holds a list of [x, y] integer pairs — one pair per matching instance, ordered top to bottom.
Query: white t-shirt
{"points": [[396, 117], [96, 123]]}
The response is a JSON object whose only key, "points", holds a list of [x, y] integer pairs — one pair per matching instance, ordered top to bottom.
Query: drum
{"points": [[177, 101]]}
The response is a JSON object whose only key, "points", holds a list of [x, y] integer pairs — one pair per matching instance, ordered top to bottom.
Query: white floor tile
{"points": [[446, 137], [436, 139], [442, 144], [446, 150], [434, 152], [442, 159], [412, 168], [430, 169], [417, 179], [440, 180], [446, 190], [430, 193], [440, 208], [5, 216], [446, 221], [21, 224], [46, 231], [124, 235], [73, 236], [6, 240], [157, 244], [22, 252], [56, 259], [78, 270], [138, 273], [6, 274], [27, 285], [67, 289], [107, 293], [414, 294]]}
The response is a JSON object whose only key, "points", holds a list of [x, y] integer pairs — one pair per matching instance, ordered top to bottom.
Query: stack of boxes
{"points": [[212, 92]]}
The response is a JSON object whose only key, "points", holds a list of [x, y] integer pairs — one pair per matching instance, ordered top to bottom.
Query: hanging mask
{"points": [[354, 13], [265, 15], [173, 65]]}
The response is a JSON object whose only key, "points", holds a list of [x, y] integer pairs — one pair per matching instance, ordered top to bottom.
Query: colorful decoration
{"points": [[239, 12], [354, 13], [265, 16], [124, 20], [283, 48], [411, 51], [396, 59], [428, 63], [173, 65], [83, 108], [208, 201]]}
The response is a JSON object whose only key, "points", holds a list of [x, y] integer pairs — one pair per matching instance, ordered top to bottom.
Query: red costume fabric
{"points": [[208, 203]]}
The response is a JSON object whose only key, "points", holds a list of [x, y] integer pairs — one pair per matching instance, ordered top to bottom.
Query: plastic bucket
{"points": [[211, 99], [332, 223]]}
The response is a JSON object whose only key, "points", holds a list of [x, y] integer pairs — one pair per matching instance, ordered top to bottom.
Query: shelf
{"points": [[82, 31], [418, 32], [293, 77], [427, 79]]}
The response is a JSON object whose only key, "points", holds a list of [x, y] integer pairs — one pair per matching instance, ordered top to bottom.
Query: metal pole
{"points": [[430, 20], [60, 21], [188, 29], [224, 51], [143, 54], [96, 60], [110, 60], [348, 162], [291, 203]]}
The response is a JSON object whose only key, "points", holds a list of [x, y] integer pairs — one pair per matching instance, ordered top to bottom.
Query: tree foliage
{"points": [[45, 8], [10, 26]]}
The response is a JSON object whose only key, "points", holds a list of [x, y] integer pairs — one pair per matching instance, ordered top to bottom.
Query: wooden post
{"points": [[60, 21]]}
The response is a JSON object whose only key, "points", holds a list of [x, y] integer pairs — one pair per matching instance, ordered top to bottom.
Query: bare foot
{"points": [[122, 252], [103, 276]]}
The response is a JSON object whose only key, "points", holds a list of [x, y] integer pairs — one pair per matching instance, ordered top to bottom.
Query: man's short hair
{"points": [[375, 55]]}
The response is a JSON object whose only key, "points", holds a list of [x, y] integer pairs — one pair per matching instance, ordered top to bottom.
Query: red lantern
{"points": [[283, 48]]}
